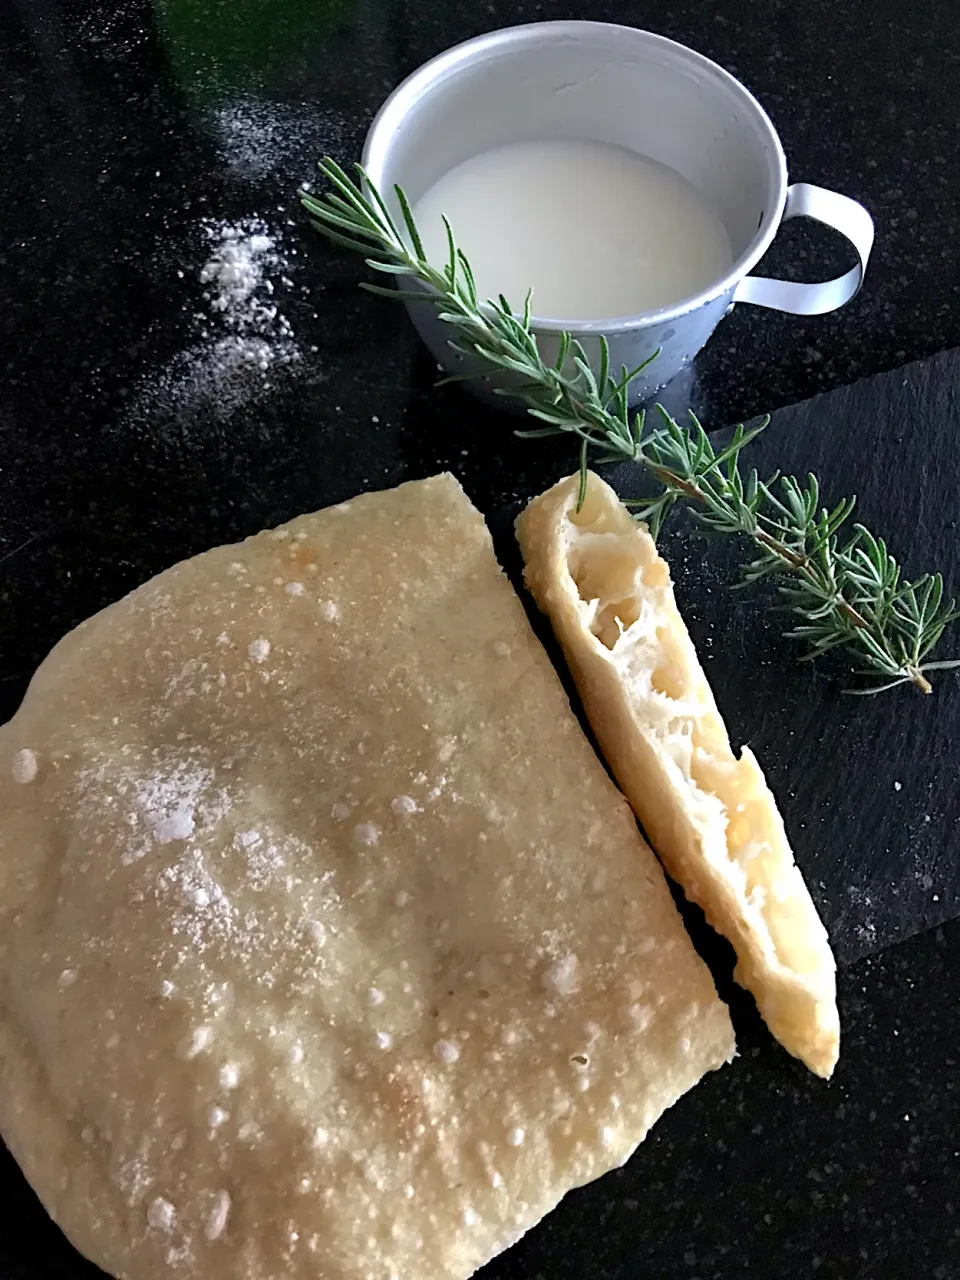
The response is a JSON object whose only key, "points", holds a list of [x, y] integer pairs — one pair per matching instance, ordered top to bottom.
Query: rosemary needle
{"points": [[840, 582]]}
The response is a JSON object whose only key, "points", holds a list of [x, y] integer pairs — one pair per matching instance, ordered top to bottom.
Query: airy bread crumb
{"points": [[710, 816]]}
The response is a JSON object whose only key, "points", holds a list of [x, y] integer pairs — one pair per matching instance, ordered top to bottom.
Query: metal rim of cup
{"points": [[445, 65]]}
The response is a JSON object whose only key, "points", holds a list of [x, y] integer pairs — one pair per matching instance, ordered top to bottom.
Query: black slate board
{"points": [[868, 786]]}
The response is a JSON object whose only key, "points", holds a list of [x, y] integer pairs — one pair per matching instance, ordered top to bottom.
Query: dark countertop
{"points": [[122, 128]]}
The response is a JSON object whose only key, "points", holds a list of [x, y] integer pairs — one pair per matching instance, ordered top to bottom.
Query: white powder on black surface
{"points": [[115, 34], [256, 139], [239, 286], [241, 294], [245, 343], [240, 345]]}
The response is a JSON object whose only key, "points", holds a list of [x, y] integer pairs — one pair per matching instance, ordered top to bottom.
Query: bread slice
{"points": [[711, 817], [327, 946]]}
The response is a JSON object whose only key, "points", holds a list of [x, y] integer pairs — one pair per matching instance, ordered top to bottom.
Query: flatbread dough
{"points": [[711, 817], [328, 948]]}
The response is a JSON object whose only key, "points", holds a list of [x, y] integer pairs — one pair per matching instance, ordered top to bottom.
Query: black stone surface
{"points": [[122, 126], [868, 784]]}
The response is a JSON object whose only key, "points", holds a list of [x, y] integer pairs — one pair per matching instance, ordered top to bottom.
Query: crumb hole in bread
{"points": [[598, 515], [601, 573], [609, 577], [613, 619], [668, 676], [665, 680], [737, 786], [483, 993], [580, 1060]]}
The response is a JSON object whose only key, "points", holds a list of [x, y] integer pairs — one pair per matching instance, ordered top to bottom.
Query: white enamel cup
{"points": [[615, 84]]}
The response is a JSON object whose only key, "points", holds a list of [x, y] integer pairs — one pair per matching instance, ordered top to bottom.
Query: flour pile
{"points": [[242, 295], [245, 341]]}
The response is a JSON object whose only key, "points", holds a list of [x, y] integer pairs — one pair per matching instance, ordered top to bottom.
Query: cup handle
{"points": [[844, 215]]}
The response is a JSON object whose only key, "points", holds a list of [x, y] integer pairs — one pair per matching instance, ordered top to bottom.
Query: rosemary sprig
{"points": [[843, 591]]}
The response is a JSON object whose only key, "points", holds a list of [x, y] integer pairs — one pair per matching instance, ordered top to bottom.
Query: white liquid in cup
{"points": [[595, 230]]}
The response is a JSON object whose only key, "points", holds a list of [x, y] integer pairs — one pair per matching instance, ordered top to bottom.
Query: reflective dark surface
{"points": [[124, 126]]}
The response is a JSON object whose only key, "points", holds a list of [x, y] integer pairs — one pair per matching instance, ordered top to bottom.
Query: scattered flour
{"points": [[113, 35], [256, 139], [236, 273], [243, 340], [212, 378], [259, 650], [24, 767], [168, 803], [172, 804], [201, 912], [316, 931], [562, 976], [198, 1041], [229, 1076], [217, 1117], [161, 1215], [218, 1215]]}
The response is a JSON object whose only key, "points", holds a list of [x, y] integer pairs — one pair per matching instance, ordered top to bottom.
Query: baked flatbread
{"points": [[711, 817], [327, 948]]}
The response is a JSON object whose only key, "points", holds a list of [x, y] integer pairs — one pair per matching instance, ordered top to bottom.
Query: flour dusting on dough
{"points": [[259, 650], [24, 767], [171, 803], [161, 1215], [218, 1215]]}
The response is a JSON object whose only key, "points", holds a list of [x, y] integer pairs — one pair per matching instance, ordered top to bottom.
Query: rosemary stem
{"points": [[671, 480], [796, 562], [849, 612], [920, 680]]}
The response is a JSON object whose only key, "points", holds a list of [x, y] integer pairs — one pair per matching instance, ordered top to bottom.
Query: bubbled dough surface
{"points": [[326, 945]]}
